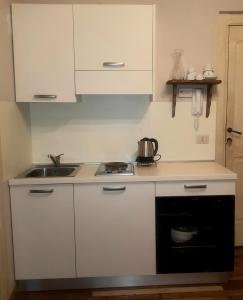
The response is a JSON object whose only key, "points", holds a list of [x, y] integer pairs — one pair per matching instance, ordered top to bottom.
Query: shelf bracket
{"points": [[209, 99], [174, 100]]}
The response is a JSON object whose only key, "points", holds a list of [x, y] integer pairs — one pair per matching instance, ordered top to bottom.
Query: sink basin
{"points": [[49, 171]]}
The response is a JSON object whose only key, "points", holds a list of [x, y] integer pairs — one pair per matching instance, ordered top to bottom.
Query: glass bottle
{"points": [[178, 71]]}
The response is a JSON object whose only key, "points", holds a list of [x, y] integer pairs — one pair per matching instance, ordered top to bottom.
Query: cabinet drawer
{"points": [[113, 82], [187, 188]]}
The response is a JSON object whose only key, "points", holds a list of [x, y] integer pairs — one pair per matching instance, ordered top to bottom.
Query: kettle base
{"points": [[145, 161]]}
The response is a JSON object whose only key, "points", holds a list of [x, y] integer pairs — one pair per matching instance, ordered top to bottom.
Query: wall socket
{"points": [[202, 139]]}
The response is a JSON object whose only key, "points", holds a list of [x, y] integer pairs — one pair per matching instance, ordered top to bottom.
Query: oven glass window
{"points": [[194, 234]]}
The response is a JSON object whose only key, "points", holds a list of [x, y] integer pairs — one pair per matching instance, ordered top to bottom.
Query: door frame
{"points": [[224, 22]]}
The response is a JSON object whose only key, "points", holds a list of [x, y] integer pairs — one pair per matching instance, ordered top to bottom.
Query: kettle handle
{"points": [[145, 139], [156, 145]]}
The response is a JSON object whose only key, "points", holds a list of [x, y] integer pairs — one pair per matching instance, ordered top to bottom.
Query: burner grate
{"points": [[115, 168]]}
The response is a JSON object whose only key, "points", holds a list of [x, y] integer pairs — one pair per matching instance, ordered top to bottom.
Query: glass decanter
{"points": [[178, 71]]}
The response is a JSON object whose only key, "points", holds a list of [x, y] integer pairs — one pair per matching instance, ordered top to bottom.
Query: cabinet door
{"points": [[106, 34], [43, 52], [115, 229], [43, 231]]}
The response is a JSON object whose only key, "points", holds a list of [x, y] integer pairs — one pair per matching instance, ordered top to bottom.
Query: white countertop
{"points": [[164, 171]]}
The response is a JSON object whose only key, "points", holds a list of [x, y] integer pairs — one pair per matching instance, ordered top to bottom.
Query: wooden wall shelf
{"points": [[208, 82]]}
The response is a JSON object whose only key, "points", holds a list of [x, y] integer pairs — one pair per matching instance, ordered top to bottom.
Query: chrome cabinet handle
{"points": [[113, 64], [45, 96], [234, 131], [201, 186], [109, 189], [41, 191]]}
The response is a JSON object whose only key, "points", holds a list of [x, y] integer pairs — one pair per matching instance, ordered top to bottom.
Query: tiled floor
{"points": [[233, 290]]}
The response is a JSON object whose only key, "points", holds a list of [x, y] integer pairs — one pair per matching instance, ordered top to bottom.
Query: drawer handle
{"points": [[113, 64], [52, 97], [202, 186], [109, 189], [41, 191]]}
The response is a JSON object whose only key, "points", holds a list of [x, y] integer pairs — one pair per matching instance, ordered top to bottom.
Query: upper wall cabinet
{"points": [[113, 49], [43, 52]]}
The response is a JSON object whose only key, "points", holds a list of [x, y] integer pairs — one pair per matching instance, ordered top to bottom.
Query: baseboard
{"points": [[124, 281], [160, 290]]}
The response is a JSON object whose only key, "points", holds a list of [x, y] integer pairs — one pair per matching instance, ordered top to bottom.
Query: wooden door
{"points": [[43, 52], [234, 145], [115, 229], [43, 231]]}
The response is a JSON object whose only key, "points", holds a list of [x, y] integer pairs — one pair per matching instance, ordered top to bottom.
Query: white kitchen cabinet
{"points": [[113, 49], [43, 52], [192, 187], [115, 229], [43, 231]]}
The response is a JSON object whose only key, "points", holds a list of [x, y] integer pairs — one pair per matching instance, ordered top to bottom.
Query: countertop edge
{"points": [[164, 172], [74, 180]]}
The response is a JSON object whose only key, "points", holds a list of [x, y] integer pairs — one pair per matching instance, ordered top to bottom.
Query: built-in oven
{"points": [[195, 234]]}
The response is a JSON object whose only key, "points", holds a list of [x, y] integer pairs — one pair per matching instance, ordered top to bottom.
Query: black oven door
{"points": [[195, 234]]}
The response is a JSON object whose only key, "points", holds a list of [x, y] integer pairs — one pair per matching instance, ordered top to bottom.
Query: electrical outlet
{"points": [[184, 93], [202, 139]]}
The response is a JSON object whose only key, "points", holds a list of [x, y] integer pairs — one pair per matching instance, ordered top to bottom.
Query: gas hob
{"points": [[115, 168]]}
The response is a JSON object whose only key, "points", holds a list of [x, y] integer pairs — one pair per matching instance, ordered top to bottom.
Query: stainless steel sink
{"points": [[51, 171]]}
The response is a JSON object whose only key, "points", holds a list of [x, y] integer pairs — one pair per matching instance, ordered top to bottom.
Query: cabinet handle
{"points": [[113, 64], [52, 97], [202, 186], [109, 189], [41, 191]]}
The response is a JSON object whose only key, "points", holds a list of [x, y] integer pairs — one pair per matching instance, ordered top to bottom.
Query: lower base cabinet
{"points": [[109, 229], [115, 229], [43, 231]]}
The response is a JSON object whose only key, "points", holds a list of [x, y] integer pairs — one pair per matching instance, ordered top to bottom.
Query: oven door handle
{"points": [[199, 186], [111, 189], [175, 215]]}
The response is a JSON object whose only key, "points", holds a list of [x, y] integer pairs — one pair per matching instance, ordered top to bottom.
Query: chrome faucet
{"points": [[56, 159]]}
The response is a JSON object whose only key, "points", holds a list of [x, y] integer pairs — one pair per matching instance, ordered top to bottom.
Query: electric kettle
{"points": [[147, 150]]}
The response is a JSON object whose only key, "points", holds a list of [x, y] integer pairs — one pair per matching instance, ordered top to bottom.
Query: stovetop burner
{"points": [[115, 168]]}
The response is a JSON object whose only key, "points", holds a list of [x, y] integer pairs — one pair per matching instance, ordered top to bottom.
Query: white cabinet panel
{"points": [[113, 33], [114, 49], [43, 52], [113, 82], [189, 188], [115, 230], [43, 231]]}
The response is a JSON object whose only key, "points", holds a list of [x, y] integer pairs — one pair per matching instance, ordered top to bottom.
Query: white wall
{"points": [[107, 128], [15, 147]]}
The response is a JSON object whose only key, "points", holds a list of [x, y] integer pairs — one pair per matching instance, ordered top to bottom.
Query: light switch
{"points": [[202, 139]]}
